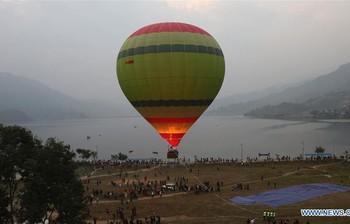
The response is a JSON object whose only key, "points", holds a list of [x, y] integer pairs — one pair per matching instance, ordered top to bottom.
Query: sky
{"points": [[72, 46]]}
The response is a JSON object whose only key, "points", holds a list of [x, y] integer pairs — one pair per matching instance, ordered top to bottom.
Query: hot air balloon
{"points": [[170, 72]]}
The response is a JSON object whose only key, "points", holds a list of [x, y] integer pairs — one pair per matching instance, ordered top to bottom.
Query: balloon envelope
{"points": [[170, 72]]}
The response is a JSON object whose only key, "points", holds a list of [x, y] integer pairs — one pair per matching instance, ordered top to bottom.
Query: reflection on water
{"points": [[285, 125], [211, 136]]}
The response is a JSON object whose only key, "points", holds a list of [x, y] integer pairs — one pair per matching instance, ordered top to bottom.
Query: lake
{"points": [[210, 136]]}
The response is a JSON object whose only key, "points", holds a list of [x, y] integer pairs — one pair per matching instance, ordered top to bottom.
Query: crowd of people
{"points": [[205, 160], [126, 188]]}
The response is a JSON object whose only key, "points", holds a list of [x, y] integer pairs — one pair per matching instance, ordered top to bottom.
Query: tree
{"points": [[320, 149], [18, 150], [85, 154], [94, 154], [122, 156], [38, 180], [54, 188], [4, 202]]}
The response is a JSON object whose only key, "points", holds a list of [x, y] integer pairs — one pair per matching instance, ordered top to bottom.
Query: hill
{"points": [[333, 83], [23, 99], [330, 106], [10, 116]]}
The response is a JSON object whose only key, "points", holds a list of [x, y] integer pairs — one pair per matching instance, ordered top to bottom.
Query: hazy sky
{"points": [[72, 46]]}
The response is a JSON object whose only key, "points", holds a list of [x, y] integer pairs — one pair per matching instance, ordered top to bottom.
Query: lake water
{"points": [[211, 136]]}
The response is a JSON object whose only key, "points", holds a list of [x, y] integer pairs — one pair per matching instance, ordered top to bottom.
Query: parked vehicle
{"points": [[169, 187]]}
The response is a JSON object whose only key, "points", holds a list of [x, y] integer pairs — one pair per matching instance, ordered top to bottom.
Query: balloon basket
{"points": [[172, 154]]}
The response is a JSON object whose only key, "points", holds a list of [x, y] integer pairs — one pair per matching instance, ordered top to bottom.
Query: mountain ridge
{"points": [[336, 81], [39, 102]]}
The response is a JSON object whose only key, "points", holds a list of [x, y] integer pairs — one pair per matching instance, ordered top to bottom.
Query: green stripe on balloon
{"points": [[166, 48], [190, 76], [149, 89], [171, 103]]}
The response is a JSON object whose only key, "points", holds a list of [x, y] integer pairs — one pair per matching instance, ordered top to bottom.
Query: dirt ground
{"points": [[214, 207]]}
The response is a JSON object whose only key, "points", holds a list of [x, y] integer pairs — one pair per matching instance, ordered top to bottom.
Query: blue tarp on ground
{"points": [[290, 195]]}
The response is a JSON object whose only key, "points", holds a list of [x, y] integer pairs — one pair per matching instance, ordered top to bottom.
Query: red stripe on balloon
{"points": [[169, 27], [172, 120], [172, 135], [172, 139], [173, 142]]}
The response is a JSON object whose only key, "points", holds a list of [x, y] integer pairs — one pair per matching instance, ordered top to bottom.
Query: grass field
{"points": [[214, 207]]}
